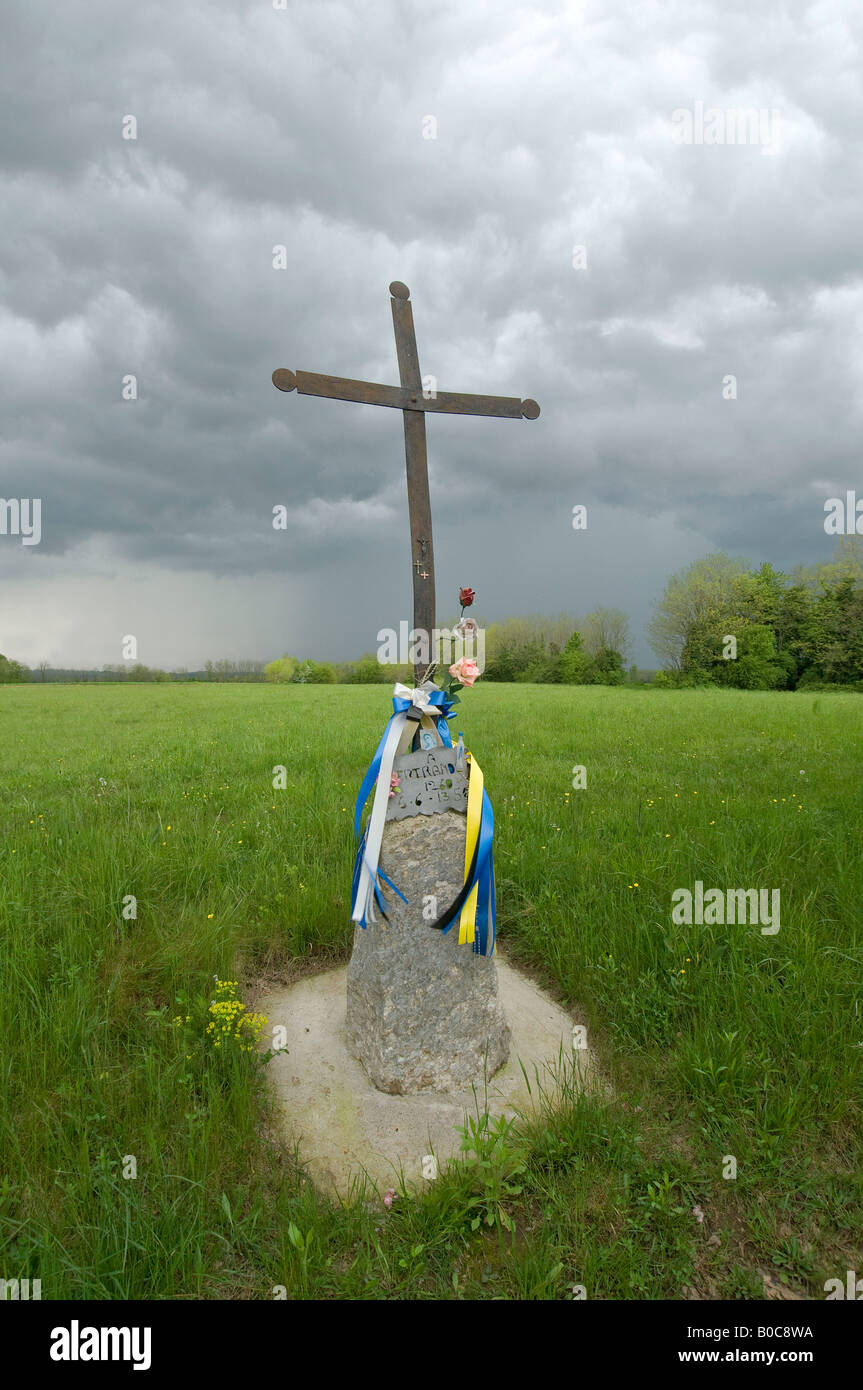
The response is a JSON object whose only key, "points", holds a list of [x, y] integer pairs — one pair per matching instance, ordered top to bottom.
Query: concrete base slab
{"points": [[346, 1129]]}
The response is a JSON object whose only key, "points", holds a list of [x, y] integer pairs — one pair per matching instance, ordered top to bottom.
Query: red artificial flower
{"points": [[466, 597]]}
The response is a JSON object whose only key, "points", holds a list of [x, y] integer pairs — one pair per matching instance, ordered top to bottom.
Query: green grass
{"points": [[714, 1040]]}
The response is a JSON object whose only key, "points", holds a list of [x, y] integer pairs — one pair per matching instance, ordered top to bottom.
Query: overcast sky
{"points": [[466, 147]]}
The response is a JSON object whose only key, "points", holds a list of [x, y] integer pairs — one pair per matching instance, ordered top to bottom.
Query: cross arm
{"points": [[340, 388], [402, 398], [458, 403]]}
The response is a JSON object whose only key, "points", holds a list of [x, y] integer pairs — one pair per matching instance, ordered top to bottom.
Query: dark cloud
{"points": [[304, 128]]}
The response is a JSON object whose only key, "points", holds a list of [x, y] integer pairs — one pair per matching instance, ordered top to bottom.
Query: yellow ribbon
{"points": [[467, 920]]}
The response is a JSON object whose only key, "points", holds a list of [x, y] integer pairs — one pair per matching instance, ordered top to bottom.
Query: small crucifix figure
{"points": [[415, 403]]}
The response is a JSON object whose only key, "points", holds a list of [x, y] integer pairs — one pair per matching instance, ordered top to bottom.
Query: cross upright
{"points": [[414, 402]]}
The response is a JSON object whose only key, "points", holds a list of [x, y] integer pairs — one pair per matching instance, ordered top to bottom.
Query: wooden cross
{"points": [[410, 398]]}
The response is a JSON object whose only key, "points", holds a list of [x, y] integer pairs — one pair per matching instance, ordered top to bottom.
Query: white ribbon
{"points": [[419, 698], [400, 734]]}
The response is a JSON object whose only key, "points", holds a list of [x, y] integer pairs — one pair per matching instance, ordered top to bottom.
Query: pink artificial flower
{"points": [[464, 670], [394, 782], [389, 1197]]}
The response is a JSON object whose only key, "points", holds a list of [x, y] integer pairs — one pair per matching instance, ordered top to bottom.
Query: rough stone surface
{"points": [[421, 1009], [345, 1129]]}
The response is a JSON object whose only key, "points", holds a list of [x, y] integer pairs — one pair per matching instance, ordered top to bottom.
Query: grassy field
{"points": [[715, 1040]]}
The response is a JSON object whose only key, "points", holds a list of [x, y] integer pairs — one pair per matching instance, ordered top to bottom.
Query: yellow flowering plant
{"points": [[230, 1024], [224, 1027]]}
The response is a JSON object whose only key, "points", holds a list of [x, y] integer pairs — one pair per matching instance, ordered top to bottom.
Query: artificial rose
{"points": [[466, 597], [467, 629], [464, 670]]}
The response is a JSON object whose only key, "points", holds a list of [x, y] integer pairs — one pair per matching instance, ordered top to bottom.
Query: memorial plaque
{"points": [[430, 781]]}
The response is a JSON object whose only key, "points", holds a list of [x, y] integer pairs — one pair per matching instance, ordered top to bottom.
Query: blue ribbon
{"points": [[443, 709], [483, 879]]}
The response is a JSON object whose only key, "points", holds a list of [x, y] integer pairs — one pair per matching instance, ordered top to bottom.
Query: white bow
{"points": [[419, 698]]}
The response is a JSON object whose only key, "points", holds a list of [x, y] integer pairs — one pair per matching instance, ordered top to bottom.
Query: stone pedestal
{"points": [[421, 1010]]}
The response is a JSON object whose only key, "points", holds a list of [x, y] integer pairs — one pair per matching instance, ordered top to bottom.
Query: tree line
{"points": [[719, 622], [563, 649], [249, 670]]}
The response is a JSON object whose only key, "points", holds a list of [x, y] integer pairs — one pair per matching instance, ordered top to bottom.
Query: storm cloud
{"points": [[565, 233]]}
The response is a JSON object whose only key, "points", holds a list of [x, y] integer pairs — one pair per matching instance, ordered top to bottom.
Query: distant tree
{"points": [[846, 563], [760, 594], [696, 602], [606, 629], [794, 630], [838, 632], [525, 649], [513, 663], [575, 663], [757, 665], [501, 667], [607, 667], [227, 669], [542, 669], [281, 670], [367, 671], [12, 672], [139, 672], [314, 673], [403, 673]]}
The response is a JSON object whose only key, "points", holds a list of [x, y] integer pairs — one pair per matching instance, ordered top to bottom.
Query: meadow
{"points": [[137, 1160]]}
